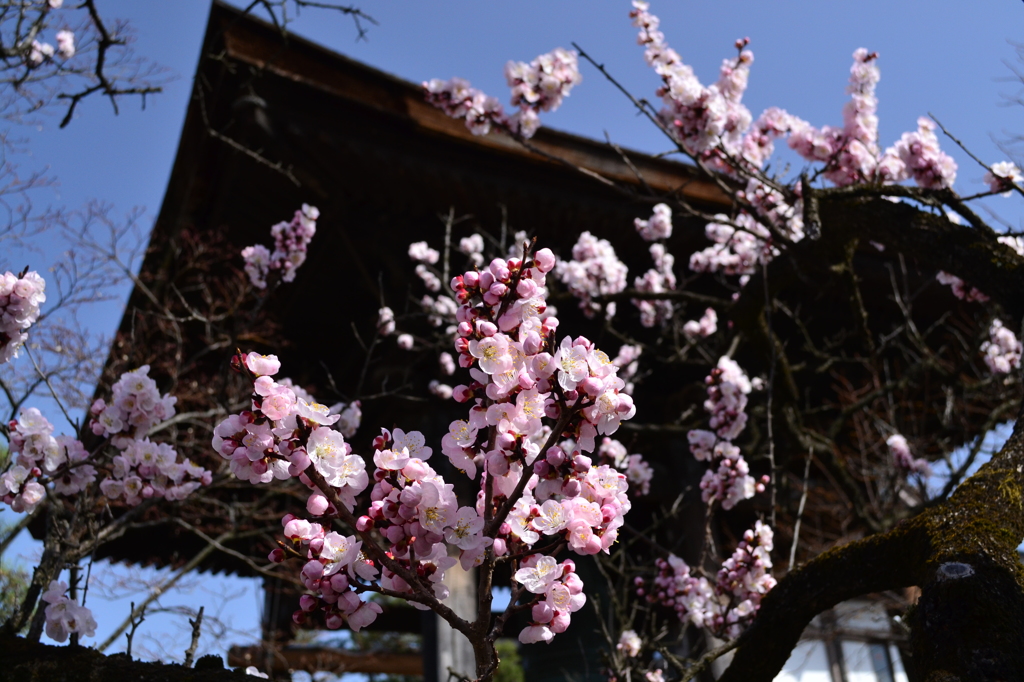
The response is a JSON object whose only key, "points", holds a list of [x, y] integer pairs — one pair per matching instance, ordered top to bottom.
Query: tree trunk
{"points": [[969, 622]]}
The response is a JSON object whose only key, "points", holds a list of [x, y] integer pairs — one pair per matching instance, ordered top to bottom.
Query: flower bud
{"points": [[544, 260], [526, 288], [592, 386], [555, 456], [317, 504], [364, 524], [276, 555], [307, 603], [542, 612], [560, 622]]}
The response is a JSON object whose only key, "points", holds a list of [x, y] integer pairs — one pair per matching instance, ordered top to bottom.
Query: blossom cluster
{"points": [[39, 52], [538, 86], [701, 118], [713, 126], [850, 153], [922, 159], [1003, 177], [658, 226], [291, 241], [740, 246], [594, 271], [658, 279], [959, 288], [20, 297], [702, 328], [1002, 350], [628, 362], [905, 462], [142, 469], [638, 472], [728, 480], [530, 487], [334, 566], [563, 595], [726, 605], [64, 615], [629, 644]]}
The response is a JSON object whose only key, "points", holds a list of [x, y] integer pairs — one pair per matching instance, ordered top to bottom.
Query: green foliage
{"points": [[13, 582], [510, 669]]}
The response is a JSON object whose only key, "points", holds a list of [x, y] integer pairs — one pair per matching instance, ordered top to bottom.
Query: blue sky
{"points": [[947, 58]]}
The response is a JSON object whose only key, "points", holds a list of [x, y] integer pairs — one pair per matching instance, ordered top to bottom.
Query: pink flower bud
{"points": [[545, 260], [500, 268], [471, 279], [486, 280], [526, 288], [485, 328], [532, 343], [592, 386], [462, 393], [505, 440], [555, 456], [299, 459], [581, 463], [541, 468], [571, 488], [317, 504], [505, 528], [394, 534], [316, 545], [499, 547], [276, 555], [313, 570], [339, 582], [307, 603], [542, 612], [299, 618], [334, 621], [560, 622]]}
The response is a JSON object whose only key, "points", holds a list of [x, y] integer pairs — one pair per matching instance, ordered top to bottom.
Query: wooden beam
{"points": [[317, 659]]}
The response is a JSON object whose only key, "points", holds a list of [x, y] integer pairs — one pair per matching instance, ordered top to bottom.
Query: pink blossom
{"points": [[1003, 177], [659, 226], [1002, 351]]}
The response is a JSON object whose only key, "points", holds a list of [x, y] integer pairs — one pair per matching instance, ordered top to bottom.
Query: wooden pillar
{"points": [[443, 647]]}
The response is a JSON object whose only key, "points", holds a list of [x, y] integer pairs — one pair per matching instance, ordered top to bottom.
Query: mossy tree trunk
{"points": [[969, 622]]}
